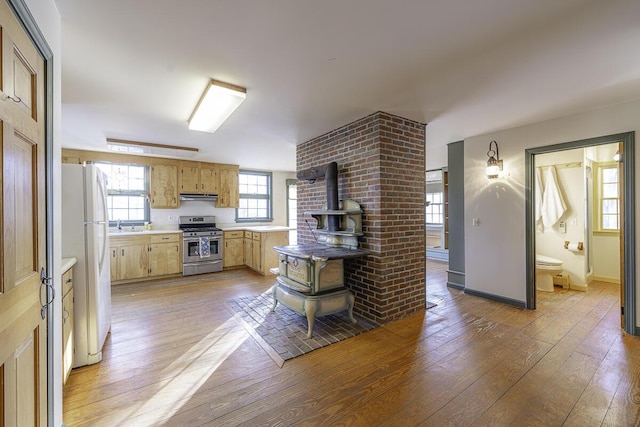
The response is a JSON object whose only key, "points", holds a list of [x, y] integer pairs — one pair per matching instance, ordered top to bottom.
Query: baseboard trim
{"points": [[607, 279], [455, 286], [498, 298]]}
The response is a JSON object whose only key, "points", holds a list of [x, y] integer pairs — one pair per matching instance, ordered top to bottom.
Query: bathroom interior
{"points": [[577, 213]]}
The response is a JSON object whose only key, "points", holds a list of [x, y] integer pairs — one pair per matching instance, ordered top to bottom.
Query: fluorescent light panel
{"points": [[217, 103], [135, 147]]}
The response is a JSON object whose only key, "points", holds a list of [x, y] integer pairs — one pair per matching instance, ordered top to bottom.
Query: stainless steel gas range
{"points": [[201, 245]]}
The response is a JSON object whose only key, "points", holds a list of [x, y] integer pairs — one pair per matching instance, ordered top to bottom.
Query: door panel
{"points": [[23, 331]]}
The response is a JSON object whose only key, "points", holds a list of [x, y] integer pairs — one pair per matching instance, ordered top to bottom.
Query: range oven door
{"points": [[195, 263]]}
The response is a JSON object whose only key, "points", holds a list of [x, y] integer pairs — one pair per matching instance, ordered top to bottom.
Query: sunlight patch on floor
{"points": [[190, 371]]}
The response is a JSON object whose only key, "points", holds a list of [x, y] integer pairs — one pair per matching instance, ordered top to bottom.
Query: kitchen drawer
{"points": [[238, 234], [248, 234], [256, 236], [165, 238], [141, 239], [67, 281]]}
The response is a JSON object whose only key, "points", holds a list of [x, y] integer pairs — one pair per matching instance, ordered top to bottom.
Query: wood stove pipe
{"points": [[330, 174]]}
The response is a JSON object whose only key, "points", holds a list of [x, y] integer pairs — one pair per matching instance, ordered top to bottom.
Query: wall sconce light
{"points": [[217, 103], [618, 156], [494, 164]]}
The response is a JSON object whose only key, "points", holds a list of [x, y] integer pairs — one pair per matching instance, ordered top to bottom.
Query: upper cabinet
{"points": [[171, 177], [189, 177], [211, 178], [164, 186], [228, 190]]}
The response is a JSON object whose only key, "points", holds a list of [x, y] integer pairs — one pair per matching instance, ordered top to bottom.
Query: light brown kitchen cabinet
{"points": [[189, 177], [198, 177], [208, 178], [164, 187], [228, 191], [233, 248], [248, 249], [132, 253], [165, 256], [136, 257], [262, 257], [68, 343]]}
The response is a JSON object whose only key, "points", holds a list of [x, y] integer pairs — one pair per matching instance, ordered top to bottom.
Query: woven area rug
{"points": [[283, 333]]}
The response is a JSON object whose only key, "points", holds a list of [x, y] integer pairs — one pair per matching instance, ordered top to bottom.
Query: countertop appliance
{"points": [[85, 227], [201, 245]]}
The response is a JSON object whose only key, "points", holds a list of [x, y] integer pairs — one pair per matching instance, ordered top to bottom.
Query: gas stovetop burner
{"points": [[195, 224], [204, 228]]}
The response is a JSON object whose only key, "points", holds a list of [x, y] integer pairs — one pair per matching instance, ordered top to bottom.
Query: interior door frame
{"points": [[24, 16], [628, 256]]}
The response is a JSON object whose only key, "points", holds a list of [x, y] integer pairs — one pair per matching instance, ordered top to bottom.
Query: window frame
{"points": [[144, 193], [248, 196], [599, 199]]}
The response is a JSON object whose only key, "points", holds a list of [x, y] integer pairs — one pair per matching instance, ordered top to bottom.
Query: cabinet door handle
{"points": [[177, 248], [123, 252], [114, 253], [69, 280], [66, 315]]}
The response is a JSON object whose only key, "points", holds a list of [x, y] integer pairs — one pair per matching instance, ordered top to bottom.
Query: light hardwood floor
{"points": [[177, 356]]}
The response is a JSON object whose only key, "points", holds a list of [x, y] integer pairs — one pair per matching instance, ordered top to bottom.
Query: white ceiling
{"points": [[136, 69]]}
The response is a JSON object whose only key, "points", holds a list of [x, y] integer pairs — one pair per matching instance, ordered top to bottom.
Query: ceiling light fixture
{"points": [[217, 103], [135, 147], [494, 164]]}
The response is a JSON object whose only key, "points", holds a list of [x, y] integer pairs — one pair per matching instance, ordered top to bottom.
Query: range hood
{"points": [[198, 196]]}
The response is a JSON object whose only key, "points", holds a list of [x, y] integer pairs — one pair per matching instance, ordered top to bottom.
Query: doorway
{"points": [[627, 234]]}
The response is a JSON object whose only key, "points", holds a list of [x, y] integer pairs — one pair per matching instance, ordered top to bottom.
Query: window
{"points": [[127, 189], [255, 196], [608, 198], [435, 209], [292, 210]]}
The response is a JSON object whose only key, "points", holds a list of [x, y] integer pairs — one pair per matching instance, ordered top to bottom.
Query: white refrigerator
{"points": [[85, 228]]}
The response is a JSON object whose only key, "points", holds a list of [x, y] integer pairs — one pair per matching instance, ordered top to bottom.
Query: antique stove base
{"points": [[313, 306]]}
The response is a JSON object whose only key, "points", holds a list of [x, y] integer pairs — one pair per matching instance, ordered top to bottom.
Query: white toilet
{"points": [[546, 268]]}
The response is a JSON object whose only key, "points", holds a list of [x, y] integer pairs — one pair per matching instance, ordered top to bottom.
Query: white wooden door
{"points": [[23, 331]]}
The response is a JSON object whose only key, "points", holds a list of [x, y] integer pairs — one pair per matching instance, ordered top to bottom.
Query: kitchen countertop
{"points": [[258, 228], [142, 232], [67, 263]]}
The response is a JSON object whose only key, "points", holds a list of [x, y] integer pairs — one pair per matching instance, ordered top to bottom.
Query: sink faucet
{"points": [[118, 225], [133, 227]]}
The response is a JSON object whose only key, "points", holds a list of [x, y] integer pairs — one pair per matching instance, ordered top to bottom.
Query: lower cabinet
{"points": [[233, 248], [258, 250], [140, 256], [165, 256], [68, 344]]}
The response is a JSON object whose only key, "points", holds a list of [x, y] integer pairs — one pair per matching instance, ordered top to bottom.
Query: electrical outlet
{"points": [[170, 217]]}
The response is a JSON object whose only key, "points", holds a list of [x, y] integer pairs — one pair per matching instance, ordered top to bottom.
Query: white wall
{"points": [[47, 18], [572, 186], [168, 218], [495, 250]]}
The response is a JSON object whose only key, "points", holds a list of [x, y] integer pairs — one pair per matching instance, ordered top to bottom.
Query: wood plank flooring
{"points": [[177, 356]]}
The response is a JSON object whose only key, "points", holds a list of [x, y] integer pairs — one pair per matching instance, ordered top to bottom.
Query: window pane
{"points": [[609, 175], [609, 190], [609, 206], [610, 222]]}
